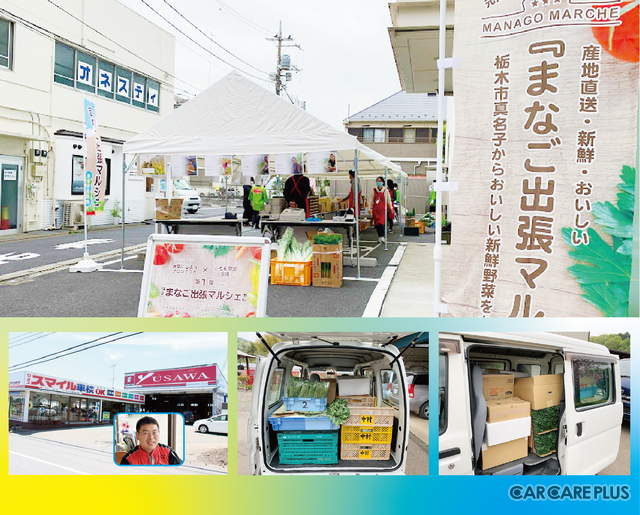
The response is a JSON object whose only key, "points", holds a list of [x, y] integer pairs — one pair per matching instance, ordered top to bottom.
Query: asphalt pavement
{"points": [[82, 451], [622, 465]]}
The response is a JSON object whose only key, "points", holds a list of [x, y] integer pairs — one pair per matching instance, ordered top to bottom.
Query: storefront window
{"points": [[16, 406], [39, 407], [59, 408], [74, 409], [83, 410], [94, 411]]}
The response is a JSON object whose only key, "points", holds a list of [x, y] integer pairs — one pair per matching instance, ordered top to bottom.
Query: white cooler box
{"points": [[354, 385], [501, 432]]}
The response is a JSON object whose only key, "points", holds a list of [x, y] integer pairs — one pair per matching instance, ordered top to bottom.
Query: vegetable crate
{"points": [[327, 265], [291, 273], [359, 401], [304, 404], [370, 417], [302, 424], [367, 434], [303, 447], [354, 451]]}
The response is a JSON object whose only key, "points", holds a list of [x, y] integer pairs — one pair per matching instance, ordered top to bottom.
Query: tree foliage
{"points": [[619, 341]]}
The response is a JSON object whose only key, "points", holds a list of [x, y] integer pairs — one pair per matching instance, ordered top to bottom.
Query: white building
{"points": [[52, 54]]}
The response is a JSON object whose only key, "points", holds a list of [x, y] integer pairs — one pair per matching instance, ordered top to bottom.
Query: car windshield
{"points": [[181, 184], [625, 367]]}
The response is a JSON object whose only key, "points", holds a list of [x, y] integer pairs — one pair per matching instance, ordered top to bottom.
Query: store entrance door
{"points": [[11, 176]]}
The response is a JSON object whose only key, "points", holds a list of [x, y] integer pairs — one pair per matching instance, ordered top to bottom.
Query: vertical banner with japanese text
{"points": [[546, 123], [95, 174]]}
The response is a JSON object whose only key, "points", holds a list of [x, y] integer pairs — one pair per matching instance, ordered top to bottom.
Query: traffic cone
{"points": [[4, 218]]}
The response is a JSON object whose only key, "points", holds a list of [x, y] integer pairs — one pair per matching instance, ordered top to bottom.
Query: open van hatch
{"points": [[344, 358]]}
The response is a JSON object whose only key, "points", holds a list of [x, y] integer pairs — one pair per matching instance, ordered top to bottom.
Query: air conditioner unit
{"points": [[72, 214]]}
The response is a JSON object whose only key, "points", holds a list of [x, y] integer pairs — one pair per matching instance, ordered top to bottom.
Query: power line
{"points": [[239, 16], [211, 39], [195, 42], [21, 336], [31, 340], [65, 350], [81, 350]]}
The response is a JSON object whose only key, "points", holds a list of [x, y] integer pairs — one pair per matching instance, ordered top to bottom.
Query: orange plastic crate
{"points": [[291, 273]]}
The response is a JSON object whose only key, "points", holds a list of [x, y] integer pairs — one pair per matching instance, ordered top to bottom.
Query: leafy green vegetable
{"points": [[327, 239], [289, 249], [218, 250], [603, 270], [338, 411], [545, 419], [545, 443]]}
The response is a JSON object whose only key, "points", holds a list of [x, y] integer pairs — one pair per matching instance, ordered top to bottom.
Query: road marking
{"points": [[80, 244], [5, 258], [118, 260], [369, 279], [376, 301], [49, 463]]}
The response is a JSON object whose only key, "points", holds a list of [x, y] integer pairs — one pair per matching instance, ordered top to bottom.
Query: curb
{"points": [[419, 442]]}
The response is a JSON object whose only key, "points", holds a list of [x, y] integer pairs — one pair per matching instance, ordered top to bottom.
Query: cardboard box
{"points": [[168, 209], [327, 265], [497, 386], [541, 391], [331, 392], [500, 410], [501, 432], [504, 453]]}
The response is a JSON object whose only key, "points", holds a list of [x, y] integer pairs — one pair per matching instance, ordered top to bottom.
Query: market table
{"points": [[203, 225], [274, 227]]}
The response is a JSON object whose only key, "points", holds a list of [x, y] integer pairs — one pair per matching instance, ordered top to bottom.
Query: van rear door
{"points": [[454, 411], [593, 413], [254, 424]]}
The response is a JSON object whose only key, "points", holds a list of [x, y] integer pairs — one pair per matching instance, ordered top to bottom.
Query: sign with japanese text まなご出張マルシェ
{"points": [[546, 102], [95, 166], [204, 276]]}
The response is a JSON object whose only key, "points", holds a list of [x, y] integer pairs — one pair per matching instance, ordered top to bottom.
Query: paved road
{"points": [[80, 451]]}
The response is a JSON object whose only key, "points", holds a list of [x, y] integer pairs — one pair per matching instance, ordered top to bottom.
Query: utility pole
{"points": [[282, 65], [113, 379]]}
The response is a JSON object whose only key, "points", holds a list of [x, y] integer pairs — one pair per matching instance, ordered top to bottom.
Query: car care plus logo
{"points": [[541, 14], [570, 493]]}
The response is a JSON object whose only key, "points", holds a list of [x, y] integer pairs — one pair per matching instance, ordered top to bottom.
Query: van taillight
{"points": [[389, 386], [411, 391]]}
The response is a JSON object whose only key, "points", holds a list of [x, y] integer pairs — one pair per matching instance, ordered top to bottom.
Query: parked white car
{"points": [[217, 424]]}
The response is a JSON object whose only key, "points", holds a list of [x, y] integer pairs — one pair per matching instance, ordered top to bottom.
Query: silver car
{"points": [[418, 388]]}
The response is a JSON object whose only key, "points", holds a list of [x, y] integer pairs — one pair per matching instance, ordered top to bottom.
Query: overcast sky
{"points": [[346, 57], [143, 352]]}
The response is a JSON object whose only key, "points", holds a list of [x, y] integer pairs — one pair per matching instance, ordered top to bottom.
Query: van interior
{"points": [[330, 363], [521, 363]]}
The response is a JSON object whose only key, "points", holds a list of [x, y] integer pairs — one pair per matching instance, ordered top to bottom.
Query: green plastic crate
{"points": [[308, 447]]}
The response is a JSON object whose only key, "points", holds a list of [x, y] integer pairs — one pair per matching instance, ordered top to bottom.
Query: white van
{"points": [[190, 199], [363, 354], [589, 423]]}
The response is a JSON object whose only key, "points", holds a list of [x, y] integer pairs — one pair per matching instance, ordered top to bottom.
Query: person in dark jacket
{"points": [[296, 191], [246, 203], [149, 450]]}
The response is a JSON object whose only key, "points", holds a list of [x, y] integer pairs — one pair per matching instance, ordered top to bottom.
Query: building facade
{"points": [[52, 55], [42, 400]]}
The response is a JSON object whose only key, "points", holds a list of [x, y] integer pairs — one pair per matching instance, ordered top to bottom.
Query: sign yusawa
{"points": [[546, 142], [200, 276], [191, 376]]}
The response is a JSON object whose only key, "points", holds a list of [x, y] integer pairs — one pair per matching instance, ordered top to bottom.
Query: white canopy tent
{"points": [[237, 117]]}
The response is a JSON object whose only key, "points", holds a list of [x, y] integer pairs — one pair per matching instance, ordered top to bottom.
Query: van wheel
{"points": [[192, 211], [424, 410], [203, 429]]}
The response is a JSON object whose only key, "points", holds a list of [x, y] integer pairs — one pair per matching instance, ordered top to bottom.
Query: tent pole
{"points": [[124, 174], [356, 205], [437, 250]]}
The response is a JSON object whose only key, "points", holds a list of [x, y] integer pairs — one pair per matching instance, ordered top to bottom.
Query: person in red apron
{"points": [[296, 191], [381, 207]]}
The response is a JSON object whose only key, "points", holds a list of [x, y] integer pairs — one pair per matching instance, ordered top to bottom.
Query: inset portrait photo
{"points": [[148, 439]]}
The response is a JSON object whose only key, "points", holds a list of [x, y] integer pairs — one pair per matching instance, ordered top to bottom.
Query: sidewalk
{"points": [[411, 291]]}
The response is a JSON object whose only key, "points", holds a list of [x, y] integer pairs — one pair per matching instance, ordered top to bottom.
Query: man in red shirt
{"points": [[150, 451]]}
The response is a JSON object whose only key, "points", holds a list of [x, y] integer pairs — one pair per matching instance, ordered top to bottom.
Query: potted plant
{"points": [[116, 212]]}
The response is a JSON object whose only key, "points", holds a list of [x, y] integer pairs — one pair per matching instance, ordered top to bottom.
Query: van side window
{"points": [[531, 369], [592, 383], [275, 387], [442, 393]]}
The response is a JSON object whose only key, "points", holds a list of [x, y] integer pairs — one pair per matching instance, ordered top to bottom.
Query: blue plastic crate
{"points": [[304, 404], [301, 423], [302, 447]]}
